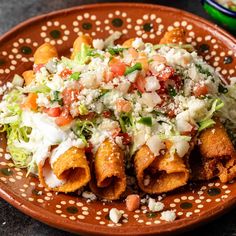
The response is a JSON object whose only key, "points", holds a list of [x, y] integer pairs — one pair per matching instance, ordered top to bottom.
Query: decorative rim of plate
{"points": [[85, 228]]}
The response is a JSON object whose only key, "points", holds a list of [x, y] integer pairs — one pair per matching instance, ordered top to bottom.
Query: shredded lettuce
{"points": [[188, 47], [83, 55], [68, 63], [17, 81], [40, 88], [216, 106], [83, 110], [228, 112], [125, 120], [10, 121], [205, 124], [83, 129], [20, 156]]}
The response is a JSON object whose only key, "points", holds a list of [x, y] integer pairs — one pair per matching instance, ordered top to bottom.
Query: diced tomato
{"points": [[133, 53], [160, 59], [117, 67], [37, 68], [66, 73], [166, 73], [109, 76], [177, 81], [140, 84], [162, 88], [200, 90], [69, 95], [31, 102], [122, 105], [53, 112], [171, 113], [106, 114], [89, 116], [65, 118], [115, 132], [191, 133], [126, 138], [89, 148], [132, 202]]}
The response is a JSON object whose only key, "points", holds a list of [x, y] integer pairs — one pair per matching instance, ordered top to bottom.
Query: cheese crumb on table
{"points": [[89, 195], [155, 206], [115, 215], [168, 216]]}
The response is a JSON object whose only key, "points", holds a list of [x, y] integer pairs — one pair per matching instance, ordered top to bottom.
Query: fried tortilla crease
{"points": [[175, 36], [215, 156], [68, 173], [158, 174], [109, 181]]}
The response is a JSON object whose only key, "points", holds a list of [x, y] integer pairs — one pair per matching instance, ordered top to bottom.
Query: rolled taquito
{"points": [[215, 156], [69, 172], [158, 174], [109, 180]]}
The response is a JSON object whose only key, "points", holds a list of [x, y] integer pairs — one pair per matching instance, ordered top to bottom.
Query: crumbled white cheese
{"points": [[109, 42], [138, 43], [98, 44], [178, 56], [156, 66], [132, 76], [89, 80], [56, 84], [152, 84], [123, 86], [150, 99], [42, 100], [197, 108], [183, 122], [108, 125], [97, 138], [119, 141], [155, 144], [181, 145], [7, 156], [89, 195], [155, 206], [115, 215], [168, 216]]}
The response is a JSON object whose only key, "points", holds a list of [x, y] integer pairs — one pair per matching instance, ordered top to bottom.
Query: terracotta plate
{"points": [[194, 204]]}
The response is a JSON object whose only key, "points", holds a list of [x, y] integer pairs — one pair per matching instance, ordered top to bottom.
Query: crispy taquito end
{"points": [[175, 36], [82, 39], [44, 53], [215, 157], [69, 173], [158, 174], [109, 181]]}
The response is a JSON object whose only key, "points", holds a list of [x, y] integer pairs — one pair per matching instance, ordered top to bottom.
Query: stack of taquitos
{"points": [[215, 156], [162, 173]]}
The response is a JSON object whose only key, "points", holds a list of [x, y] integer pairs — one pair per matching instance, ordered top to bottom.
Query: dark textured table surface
{"points": [[15, 223]]}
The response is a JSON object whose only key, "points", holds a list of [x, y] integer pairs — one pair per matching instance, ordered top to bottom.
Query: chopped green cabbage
{"points": [[10, 123]]}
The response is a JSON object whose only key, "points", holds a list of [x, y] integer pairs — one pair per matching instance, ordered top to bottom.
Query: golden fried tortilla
{"points": [[175, 36], [215, 157], [71, 167], [159, 174], [109, 180]]}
